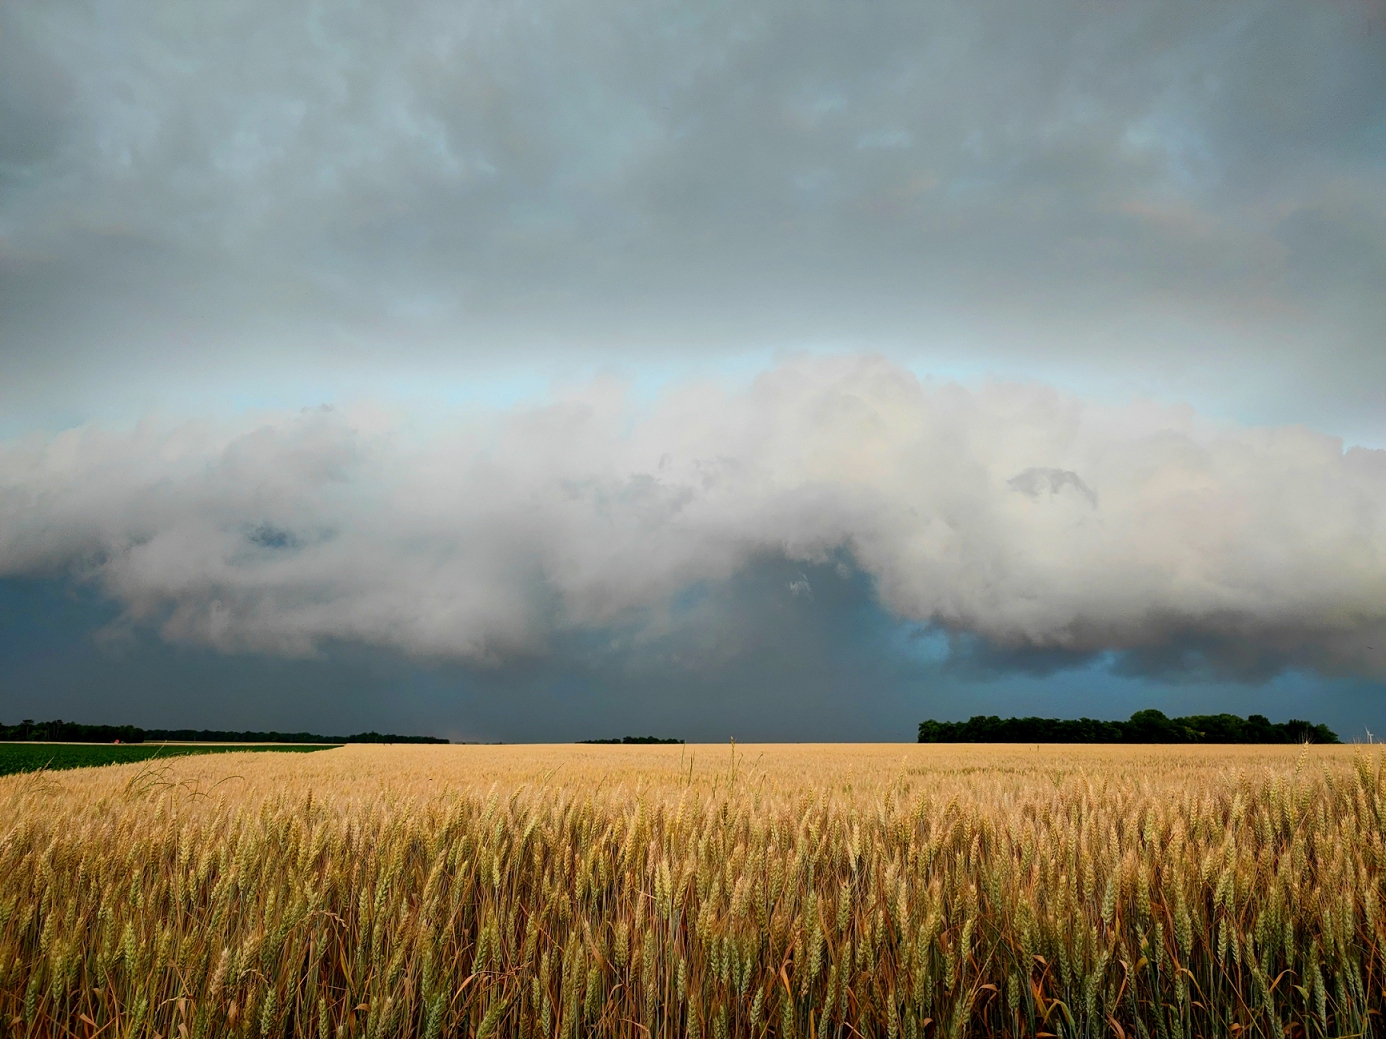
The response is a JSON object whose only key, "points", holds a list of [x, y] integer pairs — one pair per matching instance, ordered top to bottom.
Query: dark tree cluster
{"points": [[1148, 726], [59, 731], [219, 736], [633, 739]]}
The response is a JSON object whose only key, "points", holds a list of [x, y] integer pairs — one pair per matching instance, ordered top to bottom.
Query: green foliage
{"points": [[1143, 727], [59, 731], [219, 736], [633, 739], [31, 757]]}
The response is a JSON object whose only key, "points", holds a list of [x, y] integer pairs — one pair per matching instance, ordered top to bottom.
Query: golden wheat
{"points": [[900, 891]]}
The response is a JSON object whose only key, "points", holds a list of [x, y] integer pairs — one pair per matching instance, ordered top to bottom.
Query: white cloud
{"points": [[1013, 512]]}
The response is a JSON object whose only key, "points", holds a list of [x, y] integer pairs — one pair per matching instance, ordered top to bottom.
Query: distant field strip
{"points": [[32, 757], [905, 892]]}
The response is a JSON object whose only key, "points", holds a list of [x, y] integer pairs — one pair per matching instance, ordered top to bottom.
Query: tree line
{"points": [[1149, 726], [59, 731]]}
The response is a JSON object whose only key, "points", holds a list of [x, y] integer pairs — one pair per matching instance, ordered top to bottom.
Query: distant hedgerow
{"points": [[1143, 727]]}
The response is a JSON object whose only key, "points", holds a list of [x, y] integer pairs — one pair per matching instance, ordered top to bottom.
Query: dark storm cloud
{"points": [[1089, 183], [759, 663], [818, 669]]}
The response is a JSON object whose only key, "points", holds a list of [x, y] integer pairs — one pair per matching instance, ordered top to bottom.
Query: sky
{"points": [[537, 370]]}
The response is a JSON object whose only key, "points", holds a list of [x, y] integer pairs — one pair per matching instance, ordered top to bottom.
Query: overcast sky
{"points": [[539, 370]]}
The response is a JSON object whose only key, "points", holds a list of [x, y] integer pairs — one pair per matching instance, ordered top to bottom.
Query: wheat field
{"points": [[710, 891]]}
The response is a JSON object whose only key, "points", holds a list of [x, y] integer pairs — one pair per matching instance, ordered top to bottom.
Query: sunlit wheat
{"points": [[826, 891]]}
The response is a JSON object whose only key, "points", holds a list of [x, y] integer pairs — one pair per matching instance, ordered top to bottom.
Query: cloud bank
{"points": [[1010, 515]]}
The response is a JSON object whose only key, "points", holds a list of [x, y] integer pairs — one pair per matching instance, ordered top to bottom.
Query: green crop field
{"points": [[31, 757]]}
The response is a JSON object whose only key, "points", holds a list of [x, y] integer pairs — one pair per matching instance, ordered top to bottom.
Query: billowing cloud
{"points": [[1011, 514]]}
